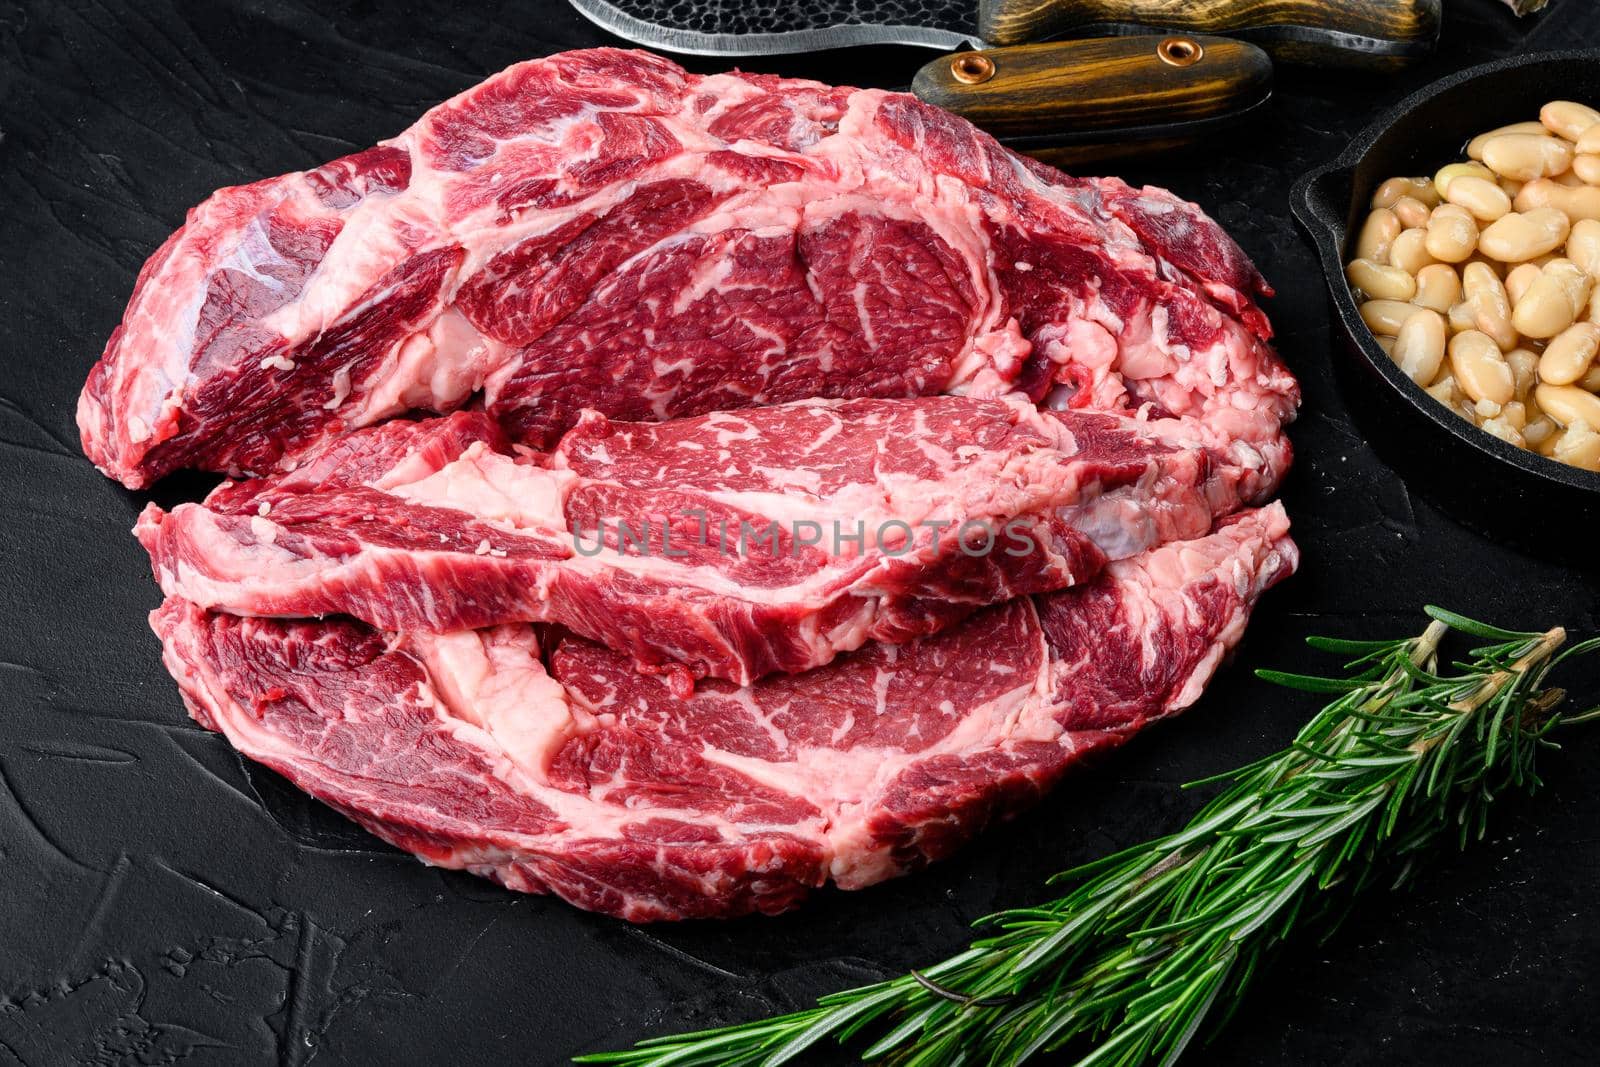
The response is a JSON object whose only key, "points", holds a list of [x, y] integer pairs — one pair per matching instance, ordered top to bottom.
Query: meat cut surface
{"points": [[604, 230], [678, 492], [730, 545], [587, 779]]}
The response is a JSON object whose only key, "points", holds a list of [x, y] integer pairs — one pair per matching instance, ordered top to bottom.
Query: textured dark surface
{"points": [[159, 902]]}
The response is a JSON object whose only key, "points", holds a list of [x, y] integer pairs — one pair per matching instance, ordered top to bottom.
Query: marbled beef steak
{"points": [[604, 230], [599, 290], [728, 545], [567, 771]]}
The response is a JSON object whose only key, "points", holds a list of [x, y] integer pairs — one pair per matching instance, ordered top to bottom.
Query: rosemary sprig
{"points": [[1144, 947]]}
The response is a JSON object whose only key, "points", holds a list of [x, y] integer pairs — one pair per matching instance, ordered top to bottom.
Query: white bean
{"points": [[1567, 118], [1475, 146], [1526, 156], [1587, 168], [1451, 171], [1395, 188], [1482, 197], [1582, 202], [1412, 212], [1452, 233], [1377, 234], [1521, 236], [1583, 246], [1409, 251], [1494, 265], [1519, 278], [1380, 282], [1438, 287], [1554, 300], [1491, 308], [1387, 316], [1419, 347], [1568, 355], [1524, 366], [1480, 369], [1448, 393], [1568, 404], [1501, 427], [1537, 432], [1578, 447]]}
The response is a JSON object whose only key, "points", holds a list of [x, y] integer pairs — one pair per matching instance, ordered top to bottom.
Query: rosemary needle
{"points": [[1143, 948]]}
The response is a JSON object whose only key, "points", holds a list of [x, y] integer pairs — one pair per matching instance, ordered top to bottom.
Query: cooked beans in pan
{"points": [[1480, 282]]}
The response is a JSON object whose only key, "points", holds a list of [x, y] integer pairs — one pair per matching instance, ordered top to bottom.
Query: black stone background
{"points": [[160, 902]]}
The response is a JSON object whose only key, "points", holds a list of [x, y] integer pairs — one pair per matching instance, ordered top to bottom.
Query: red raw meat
{"points": [[603, 230], [641, 291], [731, 545], [591, 781]]}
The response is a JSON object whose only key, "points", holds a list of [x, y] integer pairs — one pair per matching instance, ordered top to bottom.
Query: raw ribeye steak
{"points": [[604, 230], [597, 287], [730, 545], [596, 783]]}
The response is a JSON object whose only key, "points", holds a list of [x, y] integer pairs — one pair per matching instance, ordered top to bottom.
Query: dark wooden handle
{"points": [[1315, 32], [1102, 94]]}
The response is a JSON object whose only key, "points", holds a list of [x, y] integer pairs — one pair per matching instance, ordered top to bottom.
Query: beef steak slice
{"points": [[604, 230], [729, 545], [566, 771]]}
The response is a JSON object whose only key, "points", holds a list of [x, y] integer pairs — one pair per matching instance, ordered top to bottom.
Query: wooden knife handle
{"points": [[1314, 32], [1100, 96]]}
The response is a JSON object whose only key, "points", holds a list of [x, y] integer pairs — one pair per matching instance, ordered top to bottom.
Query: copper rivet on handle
{"points": [[1180, 51], [971, 68]]}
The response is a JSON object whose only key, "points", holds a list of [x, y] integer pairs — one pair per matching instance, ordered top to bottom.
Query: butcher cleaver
{"points": [[1322, 32], [1065, 101], [1071, 101]]}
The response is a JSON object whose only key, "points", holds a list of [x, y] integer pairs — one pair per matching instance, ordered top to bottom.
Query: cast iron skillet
{"points": [[1480, 480]]}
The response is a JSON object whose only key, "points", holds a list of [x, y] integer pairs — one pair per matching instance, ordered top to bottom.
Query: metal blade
{"points": [[777, 27]]}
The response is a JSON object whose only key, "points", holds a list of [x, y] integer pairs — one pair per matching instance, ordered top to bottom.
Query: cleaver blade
{"points": [[780, 27], [1377, 34]]}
